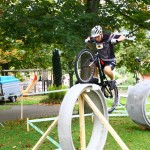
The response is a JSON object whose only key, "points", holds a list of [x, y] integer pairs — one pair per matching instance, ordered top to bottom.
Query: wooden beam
{"points": [[105, 122], [82, 123], [41, 140]]}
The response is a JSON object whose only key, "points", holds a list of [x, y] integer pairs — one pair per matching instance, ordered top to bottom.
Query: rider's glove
{"points": [[87, 40], [113, 41]]}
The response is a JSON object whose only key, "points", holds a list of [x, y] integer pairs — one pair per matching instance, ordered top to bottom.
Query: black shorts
{"points": [[112, 64]]}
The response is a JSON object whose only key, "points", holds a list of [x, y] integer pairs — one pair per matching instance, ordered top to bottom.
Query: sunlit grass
{"points": [[28, 100], [15, 136]]}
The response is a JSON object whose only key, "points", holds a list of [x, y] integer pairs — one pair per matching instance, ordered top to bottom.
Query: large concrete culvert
{"points": [[138, 104], [99, 132]]}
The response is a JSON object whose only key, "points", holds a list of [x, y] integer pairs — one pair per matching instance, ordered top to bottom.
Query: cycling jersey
{"points": [[108, 49]]}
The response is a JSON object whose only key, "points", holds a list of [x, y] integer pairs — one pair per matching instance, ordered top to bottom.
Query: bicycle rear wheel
{"points": [[84, 66], [111, 97]]}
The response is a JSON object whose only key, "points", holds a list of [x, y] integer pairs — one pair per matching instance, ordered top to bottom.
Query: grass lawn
{"points": [[29, 100], [3, 107], [15, 136]]}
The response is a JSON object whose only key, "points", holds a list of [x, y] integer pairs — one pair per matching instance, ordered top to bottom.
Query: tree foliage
{"points": [[26, 21], [30, 30], [129, 51]]}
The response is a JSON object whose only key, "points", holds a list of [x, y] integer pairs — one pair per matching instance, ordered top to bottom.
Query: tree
{"points": [[26, 22], [44, 25], [70, 33], [138, 48], [57, 72]]}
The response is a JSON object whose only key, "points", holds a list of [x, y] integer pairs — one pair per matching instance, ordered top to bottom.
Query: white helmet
{"points": [[96, 31]]}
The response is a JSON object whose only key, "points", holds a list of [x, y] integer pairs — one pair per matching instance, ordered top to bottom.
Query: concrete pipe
{"points": [[138, 106], [99, 132]]}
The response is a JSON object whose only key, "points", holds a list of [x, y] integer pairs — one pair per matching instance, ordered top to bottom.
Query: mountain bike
{"points": [[85, 65]]}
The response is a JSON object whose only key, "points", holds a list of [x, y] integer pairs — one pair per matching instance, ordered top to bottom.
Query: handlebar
{"points": [[92, 41]]}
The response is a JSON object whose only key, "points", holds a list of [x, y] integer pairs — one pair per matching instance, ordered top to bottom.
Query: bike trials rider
{"points": [[107, 53]]}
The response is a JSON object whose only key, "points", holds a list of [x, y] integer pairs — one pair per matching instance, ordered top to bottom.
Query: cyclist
{"points": [[107, 53]]}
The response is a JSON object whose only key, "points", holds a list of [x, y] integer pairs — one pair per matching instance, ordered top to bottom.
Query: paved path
{"points": [[29, 111]]}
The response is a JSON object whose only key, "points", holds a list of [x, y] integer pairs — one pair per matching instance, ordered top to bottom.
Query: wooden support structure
{"points": [[21, 107], [65, 118], [105, 122], [82, 123], [28, 125], [41, 140]]}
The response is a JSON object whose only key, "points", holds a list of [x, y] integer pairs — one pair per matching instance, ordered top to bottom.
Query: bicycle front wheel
{"points": [[84, 66]]}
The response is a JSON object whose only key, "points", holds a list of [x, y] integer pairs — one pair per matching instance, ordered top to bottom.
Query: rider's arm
{"points": [[117, 38], [121, 38], [89, 40]]}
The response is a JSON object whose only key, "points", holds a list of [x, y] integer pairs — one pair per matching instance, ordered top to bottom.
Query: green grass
{"points": [[29, 100], [4, 107], [15, 136]]}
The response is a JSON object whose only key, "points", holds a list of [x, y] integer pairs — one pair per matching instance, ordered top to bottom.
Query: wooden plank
{"points": [[105, 122], [82, 123], [28, 125], [41, 140]]}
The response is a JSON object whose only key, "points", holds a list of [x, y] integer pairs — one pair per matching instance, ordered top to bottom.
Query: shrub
{"points": [[55, 97]]}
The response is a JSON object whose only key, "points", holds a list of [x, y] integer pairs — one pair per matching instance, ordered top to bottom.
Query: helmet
{"points": [[96, 31]]}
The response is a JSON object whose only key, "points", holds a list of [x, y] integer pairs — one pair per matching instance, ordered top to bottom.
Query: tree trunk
{"points": [[92, 6], [71, 78]]}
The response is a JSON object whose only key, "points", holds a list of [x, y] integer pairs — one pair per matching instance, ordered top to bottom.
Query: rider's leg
{"points": [[108, 71]]}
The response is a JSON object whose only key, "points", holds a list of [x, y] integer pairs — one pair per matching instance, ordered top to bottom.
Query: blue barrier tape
{"points": [[38, 93], [40, 131]]}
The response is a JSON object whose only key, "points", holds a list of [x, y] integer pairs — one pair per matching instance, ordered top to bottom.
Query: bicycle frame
{"points": [[97, 60]]}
